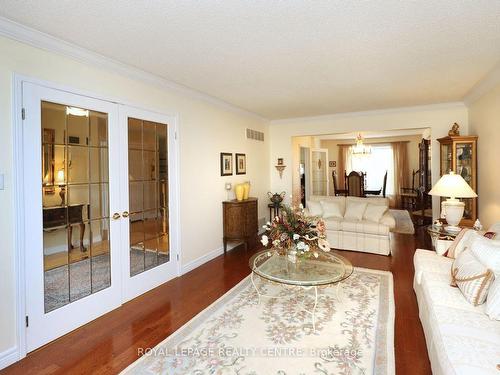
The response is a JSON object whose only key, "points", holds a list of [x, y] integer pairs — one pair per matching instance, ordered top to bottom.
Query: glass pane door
{"points": [[464, 168], [319, 172], [71, 183], [148, 194], [75, 203]]}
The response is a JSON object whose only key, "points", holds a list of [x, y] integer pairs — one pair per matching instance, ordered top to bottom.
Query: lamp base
{"points": [[453, 211], [452, 229]]}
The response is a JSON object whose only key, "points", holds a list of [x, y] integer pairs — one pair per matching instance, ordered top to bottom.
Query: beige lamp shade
{"points": [[454, 186]]}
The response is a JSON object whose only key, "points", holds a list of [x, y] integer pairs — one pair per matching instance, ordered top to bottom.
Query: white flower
{"points": [[301, 206], [277, 218], [268, 223], [264, 226], [295, 236], [264, 240], [323, 244], [301, 245], [306, 248], [316, 254]]}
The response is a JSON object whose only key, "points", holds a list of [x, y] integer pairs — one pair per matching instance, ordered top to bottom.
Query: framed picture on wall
{"points": [[241, 163], [226, 164]]}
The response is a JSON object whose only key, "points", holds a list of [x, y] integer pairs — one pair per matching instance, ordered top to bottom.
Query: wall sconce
{"points": [[280, 167]]}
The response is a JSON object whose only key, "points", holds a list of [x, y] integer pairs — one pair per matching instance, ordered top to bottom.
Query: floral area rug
{"points": [[238, 335]]}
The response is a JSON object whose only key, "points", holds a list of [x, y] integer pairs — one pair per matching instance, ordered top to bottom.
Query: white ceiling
{"points": [[283, 59]]}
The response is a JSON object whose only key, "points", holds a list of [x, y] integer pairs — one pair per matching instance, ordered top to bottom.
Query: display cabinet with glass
{"points": [[459, 154]]}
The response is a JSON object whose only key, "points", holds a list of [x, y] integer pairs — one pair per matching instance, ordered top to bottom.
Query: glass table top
{"points": [[441, 231], [328, 268]]}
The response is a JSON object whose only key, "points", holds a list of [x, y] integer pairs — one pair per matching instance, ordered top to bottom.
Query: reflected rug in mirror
{"points": [[238, 335]]}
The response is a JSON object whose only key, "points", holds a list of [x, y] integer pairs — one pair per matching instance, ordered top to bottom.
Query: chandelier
{"points": [[360, 149]]}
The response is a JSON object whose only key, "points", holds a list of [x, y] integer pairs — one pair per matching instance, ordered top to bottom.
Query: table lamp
{"points": [[453, 186]]}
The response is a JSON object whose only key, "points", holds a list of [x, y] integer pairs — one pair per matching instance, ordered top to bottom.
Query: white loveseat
{"points": [[358, 235], [461, 339]]}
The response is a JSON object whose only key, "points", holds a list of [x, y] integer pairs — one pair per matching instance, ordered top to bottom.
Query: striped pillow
{"points": [[460, 243], [472, 278], [493, 301]]}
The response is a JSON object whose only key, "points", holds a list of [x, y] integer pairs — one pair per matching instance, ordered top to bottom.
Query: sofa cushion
{"points": [[327, 198], [378, 201], [314, 208], [331, 209], [355, 211], [374, 212], [388, 219], [333, 224], [364, 226], [461, 242], [487, 252], [429, 261], [472, 277], [493, 300], [461, 339]]}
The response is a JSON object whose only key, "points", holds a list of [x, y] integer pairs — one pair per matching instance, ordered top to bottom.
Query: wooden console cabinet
{"points": [[240, 221]]}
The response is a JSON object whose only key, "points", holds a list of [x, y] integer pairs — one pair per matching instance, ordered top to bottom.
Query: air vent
{"points": [[255, 134]]}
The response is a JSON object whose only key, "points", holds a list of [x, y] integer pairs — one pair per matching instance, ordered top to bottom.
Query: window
{"points": [[375, 165]]}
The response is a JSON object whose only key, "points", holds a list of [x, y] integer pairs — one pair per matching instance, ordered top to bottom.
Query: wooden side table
{"points": [[274, 210], [240, 221]]}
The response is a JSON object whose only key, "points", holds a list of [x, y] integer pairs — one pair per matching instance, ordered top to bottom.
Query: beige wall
{"points": [[438, 118], [484, 120], [205, 130], [333, 152]]}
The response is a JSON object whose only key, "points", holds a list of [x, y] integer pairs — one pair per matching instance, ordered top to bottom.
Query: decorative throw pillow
{"points": [[314, 208], [331, 209], [355, 211], [374, 212], [461, 242], [487, 252], [472, 277], [493, 300]]}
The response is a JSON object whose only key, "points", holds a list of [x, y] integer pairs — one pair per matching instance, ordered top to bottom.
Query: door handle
{"points": [[125, 214], [116, 216]]}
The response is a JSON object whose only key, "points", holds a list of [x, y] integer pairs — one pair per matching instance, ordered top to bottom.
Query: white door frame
{"points": [[18, 194]]}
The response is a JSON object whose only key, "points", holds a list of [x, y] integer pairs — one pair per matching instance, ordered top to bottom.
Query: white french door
{"points": [[147, 181], [71, 184], [98, 208]]}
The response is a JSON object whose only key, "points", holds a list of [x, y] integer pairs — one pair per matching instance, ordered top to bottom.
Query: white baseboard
{"points": [[215, 253], [205, 258], [9, 357]]}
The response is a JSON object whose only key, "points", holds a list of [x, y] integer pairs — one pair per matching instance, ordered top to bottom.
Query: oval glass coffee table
{"points": [[327, 269]]}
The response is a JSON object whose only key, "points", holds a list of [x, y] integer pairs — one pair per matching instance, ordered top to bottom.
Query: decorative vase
{"points": [[246, 189], [239, 191]]}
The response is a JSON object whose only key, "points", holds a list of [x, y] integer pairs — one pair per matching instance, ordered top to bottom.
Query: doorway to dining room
{"points": [[394, 164]]}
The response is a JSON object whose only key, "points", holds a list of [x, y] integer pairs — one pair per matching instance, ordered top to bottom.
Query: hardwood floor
{"points": [[109, 344]]}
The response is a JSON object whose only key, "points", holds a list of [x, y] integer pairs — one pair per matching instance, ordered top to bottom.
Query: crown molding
{"points": [[18, 32], [487, 83], [333, 116]]}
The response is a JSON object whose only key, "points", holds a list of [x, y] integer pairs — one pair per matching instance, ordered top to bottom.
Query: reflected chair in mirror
{"points": [[355, 184], [336, 190], [409, 195]]}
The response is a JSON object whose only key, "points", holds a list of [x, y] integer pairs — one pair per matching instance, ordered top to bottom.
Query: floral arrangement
{"points": [[295, 234]]}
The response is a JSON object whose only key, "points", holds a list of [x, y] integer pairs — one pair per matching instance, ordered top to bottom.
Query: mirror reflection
{"points": [[75, 196]]}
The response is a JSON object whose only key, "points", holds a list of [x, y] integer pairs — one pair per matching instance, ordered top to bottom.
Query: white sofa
{"points": [[365, 236], [461, 339]]}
